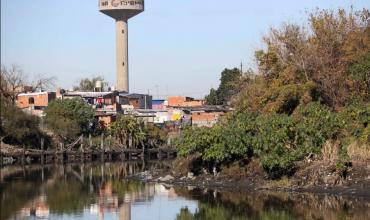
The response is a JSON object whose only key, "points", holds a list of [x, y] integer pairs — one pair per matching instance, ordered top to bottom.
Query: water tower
{"points": [[121, 11]]}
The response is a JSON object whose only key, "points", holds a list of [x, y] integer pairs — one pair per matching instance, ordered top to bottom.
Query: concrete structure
{"points": [[121, 11], [36, 100], [205, 119]]}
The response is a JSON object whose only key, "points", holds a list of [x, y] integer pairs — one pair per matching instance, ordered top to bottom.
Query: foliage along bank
{"points": [[311, 88]]}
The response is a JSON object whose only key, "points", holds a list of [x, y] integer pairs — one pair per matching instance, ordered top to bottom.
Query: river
{"points": [[100, 191]]}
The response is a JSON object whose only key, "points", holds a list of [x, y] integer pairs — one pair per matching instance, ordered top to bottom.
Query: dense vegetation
{"points": [[229, 85], [312, 87], [69, 118], [16, 126], [20, 128], [127, 128]]}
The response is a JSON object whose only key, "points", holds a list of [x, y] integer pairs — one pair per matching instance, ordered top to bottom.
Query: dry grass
{"points": [[330, 151], [356, 151], [359, 151], [283, 182]]}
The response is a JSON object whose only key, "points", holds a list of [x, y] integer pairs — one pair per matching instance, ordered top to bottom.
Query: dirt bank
{"points": [[316, 176]]}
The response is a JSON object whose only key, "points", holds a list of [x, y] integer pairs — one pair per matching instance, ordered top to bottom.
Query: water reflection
{"points": [[100, 192]]}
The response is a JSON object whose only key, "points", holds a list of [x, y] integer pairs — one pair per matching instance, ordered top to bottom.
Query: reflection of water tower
{"points": [[121, 11]]}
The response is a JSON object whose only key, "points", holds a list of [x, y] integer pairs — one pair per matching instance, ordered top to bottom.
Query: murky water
{"points": [[100, 192]]}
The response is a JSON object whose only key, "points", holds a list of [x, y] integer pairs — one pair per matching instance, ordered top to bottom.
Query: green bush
{"points": [[69, 118], [356, 118], [314, 125], [127, 127], [20, 128], [239, 134], [279, 140], [274, 142], [277, 164]]}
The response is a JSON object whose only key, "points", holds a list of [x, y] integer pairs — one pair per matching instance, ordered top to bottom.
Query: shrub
{"points": [[71, 117], [356, 118], [314, 125], [127, 127], [20, 128], [279, 140], [189, 142], [277, 165]]}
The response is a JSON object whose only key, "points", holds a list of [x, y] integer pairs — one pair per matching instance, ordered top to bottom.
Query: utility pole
{"points": [[241, 67], [157, 90]]}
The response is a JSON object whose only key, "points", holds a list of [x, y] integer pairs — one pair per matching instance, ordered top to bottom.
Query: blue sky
{"points": [[177, 47]]}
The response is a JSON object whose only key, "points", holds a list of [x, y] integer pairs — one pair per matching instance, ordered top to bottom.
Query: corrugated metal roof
{"points": [[88, 94]]}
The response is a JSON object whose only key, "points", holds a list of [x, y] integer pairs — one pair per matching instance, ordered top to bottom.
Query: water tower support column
{"points": [[122, 55]]}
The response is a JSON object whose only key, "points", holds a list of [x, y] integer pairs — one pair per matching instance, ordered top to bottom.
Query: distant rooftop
{"points": [[88, 94]]}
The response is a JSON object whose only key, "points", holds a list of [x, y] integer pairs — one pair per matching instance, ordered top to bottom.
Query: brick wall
{"points": [[35, 99], [183, 101], [205, 119]]}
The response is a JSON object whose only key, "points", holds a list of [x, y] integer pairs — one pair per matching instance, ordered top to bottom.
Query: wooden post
{"points": [[90, 141], [142, 144], [110, 148], [82, 149], [42, 152], [102, 153], [1, 154], [61, 154], [23, 155], [123, 155], [110, 156], [42, 174]]}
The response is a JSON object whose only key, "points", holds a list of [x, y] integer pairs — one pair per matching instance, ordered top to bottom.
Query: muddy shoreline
{"points": [[243, 186], [358, 187]]}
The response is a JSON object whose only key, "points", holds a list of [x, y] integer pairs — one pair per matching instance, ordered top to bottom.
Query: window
{"points": [[31, 101]]}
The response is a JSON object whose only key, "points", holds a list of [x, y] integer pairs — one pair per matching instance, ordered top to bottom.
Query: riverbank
{"points": [[315, 177]]}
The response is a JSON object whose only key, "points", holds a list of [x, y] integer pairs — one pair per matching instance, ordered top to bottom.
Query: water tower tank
{"points": [[121, 11], [98, 84]]}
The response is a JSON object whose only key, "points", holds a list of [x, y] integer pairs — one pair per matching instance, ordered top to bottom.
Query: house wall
{"points": [[40, 99], [176, 100], [139, 101], [182, 101], [135, 103], [161, 117], [205, 119]]}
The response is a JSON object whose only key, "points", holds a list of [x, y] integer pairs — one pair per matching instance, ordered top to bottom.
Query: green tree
{"points": [[360, 76], [230, 79], [230, 84], [88, 85], [212, 98], [70, 117], [128, 127], [20, 128], [155, 136]]}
